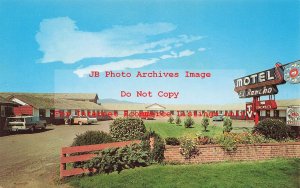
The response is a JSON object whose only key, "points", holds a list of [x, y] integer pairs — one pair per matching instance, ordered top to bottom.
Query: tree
{"points": [[170, 120], [178, 120], [188, 122], [205, 123], [227, 124]]}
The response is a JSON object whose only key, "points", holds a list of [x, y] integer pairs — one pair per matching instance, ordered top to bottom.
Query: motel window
{"points": [[42, 113], [276, 113], [282, 113]]}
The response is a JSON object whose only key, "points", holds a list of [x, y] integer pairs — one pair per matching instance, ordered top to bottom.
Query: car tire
{"points": [[44, 127], [32, 129]]}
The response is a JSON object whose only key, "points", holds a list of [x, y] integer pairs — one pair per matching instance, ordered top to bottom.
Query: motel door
{"points": [[267, 113], [52, 115]]}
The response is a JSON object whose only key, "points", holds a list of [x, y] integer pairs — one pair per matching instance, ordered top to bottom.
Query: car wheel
{"points": [[80, 123], [44, 127], [32, 129]]}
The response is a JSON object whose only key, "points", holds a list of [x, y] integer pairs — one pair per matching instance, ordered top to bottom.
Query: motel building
{"points": [[56, 107], [6, 108], [53, 108], [235, 111]]}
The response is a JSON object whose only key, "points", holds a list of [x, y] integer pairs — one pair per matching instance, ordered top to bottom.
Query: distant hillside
{"points": [[105, 101]]}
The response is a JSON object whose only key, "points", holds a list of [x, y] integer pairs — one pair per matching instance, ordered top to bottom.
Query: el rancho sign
{"points": [[265, 83]]}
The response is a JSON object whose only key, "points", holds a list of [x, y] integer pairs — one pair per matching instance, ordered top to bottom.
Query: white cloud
{"points": [[60, 40], [202, 49], [185, 53], [173, 54], [129, 63], [118, 65]]}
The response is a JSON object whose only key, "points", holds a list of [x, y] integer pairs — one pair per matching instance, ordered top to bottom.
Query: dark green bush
{"points": [[170, 120], [178, 120], [188, 122], [227, 124], [273, 128], [123, 129], [92, 137], [172, 141], [158, 151], [157, 154], [118, 159]]}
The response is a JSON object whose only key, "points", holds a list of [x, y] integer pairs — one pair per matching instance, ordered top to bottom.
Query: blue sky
{"points": [[50, 46]]}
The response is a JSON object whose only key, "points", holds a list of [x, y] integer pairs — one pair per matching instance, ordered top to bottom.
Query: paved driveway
{"points": [[32, 160]]}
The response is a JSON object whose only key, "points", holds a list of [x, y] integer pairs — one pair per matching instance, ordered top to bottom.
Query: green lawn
{"points": [[172, 130], [273, 173]]}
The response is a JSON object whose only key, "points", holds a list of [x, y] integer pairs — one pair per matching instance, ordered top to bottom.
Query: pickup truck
{"points": [[81, 120], [30, 123]]}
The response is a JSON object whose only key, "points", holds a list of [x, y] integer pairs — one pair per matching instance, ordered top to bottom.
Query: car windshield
{"points": [[15, 119]]}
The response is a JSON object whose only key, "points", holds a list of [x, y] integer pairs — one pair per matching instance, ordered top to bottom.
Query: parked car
{"points": [[218, 118], [73, 119], [30, 123]]}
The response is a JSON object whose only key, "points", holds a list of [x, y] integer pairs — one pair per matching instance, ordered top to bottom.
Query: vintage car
{"points": [[218, 118], [80, 120], [30, 123]]}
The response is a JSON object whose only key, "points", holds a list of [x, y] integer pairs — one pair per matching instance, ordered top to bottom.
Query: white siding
{"points": [[271, 113], [282, 113]]}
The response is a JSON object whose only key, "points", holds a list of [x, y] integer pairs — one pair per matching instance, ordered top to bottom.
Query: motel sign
{"points": [[265, 83]]}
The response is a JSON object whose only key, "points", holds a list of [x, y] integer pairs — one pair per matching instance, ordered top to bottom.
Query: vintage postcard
{"points": [[140, 93]]}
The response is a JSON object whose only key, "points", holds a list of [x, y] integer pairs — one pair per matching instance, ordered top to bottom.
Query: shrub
{"points": [[170, 120], [178, 120], [188, 122], [205, 123], [227, 124], [273, 128], [123, 129], [92, 137], [249, 138], [203, 140], [172, 141], [227, 141], [188, 148], [158, 151], [118, 159]]}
